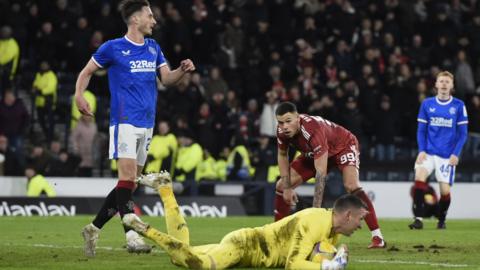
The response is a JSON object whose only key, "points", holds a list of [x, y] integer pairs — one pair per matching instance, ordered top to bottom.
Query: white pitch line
{"points": [[75, 247], [161, 251], [413, 262]]}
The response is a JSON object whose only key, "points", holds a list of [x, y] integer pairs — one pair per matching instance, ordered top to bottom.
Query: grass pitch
{"points": [[55, 243]]}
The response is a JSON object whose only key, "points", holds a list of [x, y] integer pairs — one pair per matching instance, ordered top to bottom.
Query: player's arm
{"points": [[171, 77], [81, 84], [422, 134], [461, 136], [320, 179], [289, 195]]}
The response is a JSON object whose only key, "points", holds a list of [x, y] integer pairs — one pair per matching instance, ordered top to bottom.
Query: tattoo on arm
{"points": [[320, 180]]}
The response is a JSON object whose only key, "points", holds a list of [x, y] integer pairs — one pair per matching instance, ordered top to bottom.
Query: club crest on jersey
{"points": [[152, 50], [452, 110]]}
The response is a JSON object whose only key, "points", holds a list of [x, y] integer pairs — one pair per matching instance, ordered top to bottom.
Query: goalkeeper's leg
{"points": [[176, 224], [218, 256]]}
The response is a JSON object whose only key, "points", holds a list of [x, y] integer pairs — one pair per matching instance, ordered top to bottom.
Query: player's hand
{"points": [[187, 65], [83, 105], [421, 157], [453, 160], [290, 196], [341, 257]]}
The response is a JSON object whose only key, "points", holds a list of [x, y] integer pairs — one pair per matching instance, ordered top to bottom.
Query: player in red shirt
{"points": [[320, 142]]}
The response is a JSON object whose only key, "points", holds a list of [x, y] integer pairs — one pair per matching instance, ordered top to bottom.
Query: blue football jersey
{"points": [[132, 72], [443, 120]]}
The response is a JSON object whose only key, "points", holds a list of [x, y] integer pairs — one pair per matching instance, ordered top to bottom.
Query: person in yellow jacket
{"points": [[9, 55], [45, 90], [76, 115], [162, 150], [189, 156], [238, 162], [206, 169], [38, 185], [287, 243]]}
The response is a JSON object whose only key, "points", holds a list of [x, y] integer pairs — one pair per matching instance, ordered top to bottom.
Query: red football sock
{"points": [[282, 209], [371, 217]]}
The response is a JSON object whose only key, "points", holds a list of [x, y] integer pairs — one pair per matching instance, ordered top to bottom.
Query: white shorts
{"points": [[127, 141], [444, 172]]}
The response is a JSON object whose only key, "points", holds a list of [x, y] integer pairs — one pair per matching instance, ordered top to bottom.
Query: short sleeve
{"points": [[103, 57], [161, 61], [318, 143]]}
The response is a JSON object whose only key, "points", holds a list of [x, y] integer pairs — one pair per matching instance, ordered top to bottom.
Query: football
{"points": [[321, 251]]}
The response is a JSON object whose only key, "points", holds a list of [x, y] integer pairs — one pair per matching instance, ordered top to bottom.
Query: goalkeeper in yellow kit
{"points": [[286, 243]]}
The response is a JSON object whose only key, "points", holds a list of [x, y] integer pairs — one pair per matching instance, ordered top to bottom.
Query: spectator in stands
{"points": [[46, 43], [79, 44], [9, 56], [215, 83], [464, 83], [45, 91], [76, 115], [14, 120], [221, 122], [268, 122], [355, 122], [204, 128], [385, 129], [82, 142], [473, 143], [55, 149], [163, 150], [189, 156], [39, 159], [264, 159], [11, 164], [65, 165], [239, 167], [206, 170], [38, 185]]}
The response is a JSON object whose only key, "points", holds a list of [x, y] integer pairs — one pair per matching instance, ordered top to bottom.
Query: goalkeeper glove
{"points": [[339, 262]]}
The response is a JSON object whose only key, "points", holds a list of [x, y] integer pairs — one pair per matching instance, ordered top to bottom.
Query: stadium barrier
{"points": [[391, 199], [218, 207]]}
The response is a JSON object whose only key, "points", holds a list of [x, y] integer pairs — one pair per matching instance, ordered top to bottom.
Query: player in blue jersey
{"points": [[132, 62], [442, 132]]}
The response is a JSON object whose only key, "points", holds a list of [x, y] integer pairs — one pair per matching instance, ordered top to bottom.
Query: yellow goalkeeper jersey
{"points": [[289, 242]]}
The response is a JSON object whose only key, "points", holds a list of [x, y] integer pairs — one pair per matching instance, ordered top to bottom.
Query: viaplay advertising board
{"points": [[151, 206]]}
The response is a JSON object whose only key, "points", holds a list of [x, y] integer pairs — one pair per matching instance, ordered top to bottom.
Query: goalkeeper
{"points": [[286, 243]]}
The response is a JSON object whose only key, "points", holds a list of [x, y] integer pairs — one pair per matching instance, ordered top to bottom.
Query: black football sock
{"points": [[108, 210]]}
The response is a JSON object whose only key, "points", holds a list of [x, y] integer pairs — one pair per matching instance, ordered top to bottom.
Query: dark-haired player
{"points": [[132, 62], [321, 142], [287, 243]]}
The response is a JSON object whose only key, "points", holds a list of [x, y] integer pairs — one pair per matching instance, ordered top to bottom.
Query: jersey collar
{"points": [[134, 43], [444, 102]]}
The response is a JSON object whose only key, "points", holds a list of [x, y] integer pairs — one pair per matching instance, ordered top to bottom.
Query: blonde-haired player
{"points": [[442, 132], [286, 243]]}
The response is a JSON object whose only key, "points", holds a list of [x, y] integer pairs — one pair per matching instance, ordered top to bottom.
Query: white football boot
{"points": [[155, 180], [90, 236], [136, 243]]}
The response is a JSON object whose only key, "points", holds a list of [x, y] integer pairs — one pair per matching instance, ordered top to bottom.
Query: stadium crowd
{"points": [[366, 65]]}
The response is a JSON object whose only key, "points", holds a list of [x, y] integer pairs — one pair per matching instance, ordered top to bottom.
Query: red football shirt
{"points": [[316, 136]]}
